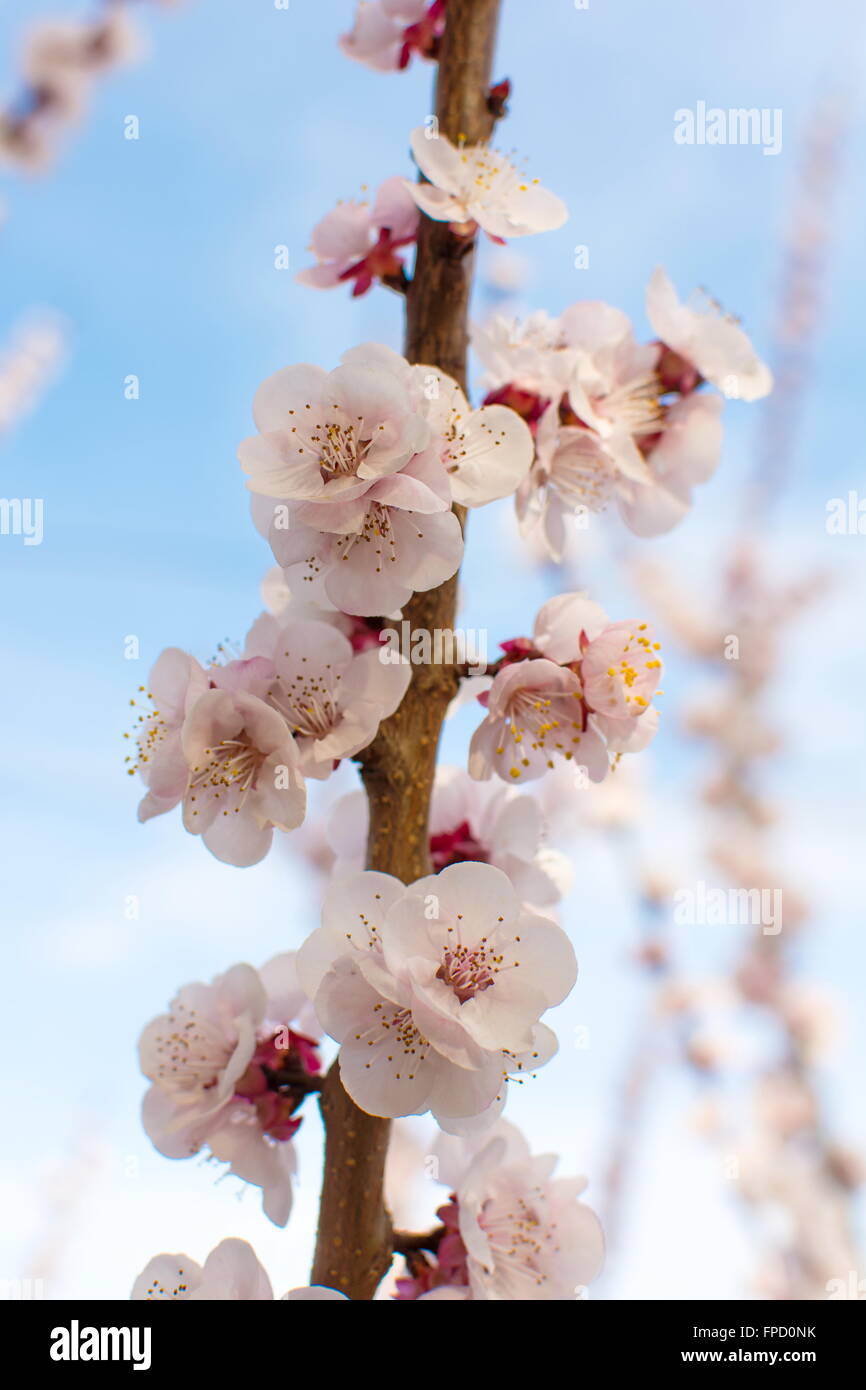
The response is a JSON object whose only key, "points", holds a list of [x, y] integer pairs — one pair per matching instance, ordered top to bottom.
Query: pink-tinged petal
{"points": [[405, 11], [375, 40], [439, 161], [439, 206], [395, 209], [530, 210], [342, 234], [319, 277], [596, 328], [715, 344], [380, 356], [290, 389], [378, 407], [691, 442], [494, 455], [275, 467], [427, 468], [407, 493], [652, 510], [341, 515], [428, 548], [360, 584], [560, 622], [312, 650], [621, 670], [251, 675], [169, 681], [378, 682], [214, 717], [355, 730], [627, 735], [166, 773], [280, 797], [236, 839], [479, 892], [355, 907], [554, 966], [285, 997], [385, 1066], [460, 1094], [172, 1131], [253, 1159], [232, 1272], [169, 1277], [316, 1293]]}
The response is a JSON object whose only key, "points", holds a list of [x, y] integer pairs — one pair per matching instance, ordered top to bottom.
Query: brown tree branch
{"points": [[355, 1240]]}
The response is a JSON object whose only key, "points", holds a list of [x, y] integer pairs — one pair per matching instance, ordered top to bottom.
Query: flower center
{"points": [[377, 531], [307, 704], [232, 766], [456, 847], [467, 970], [191, 1053], [277, 1081], [520, 1238]]}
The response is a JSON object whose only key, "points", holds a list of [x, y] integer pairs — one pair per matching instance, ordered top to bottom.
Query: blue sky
{"points": [[159, 255]]}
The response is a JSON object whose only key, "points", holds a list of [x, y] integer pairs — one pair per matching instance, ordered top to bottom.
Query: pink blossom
{"points": [[387, 32], [475, 186], [357, 243], [707, 340], [533, 354], [614, 390], [616, 421], [331, 438], [486, 453], [369, 459], [368, 518], [175, 683], [581, 693], [332, 698], [245, 775], [469, 821], [435, 991], [228, 1072], [512, 1232], [527, 1234], [231, 1272]]}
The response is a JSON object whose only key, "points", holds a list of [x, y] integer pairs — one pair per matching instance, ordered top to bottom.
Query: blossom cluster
{"points": [[62, 61], [469, 187], [615, 420], [354, 473], [578, 691], [234, 742], [438, 991], [229, 1065], [510, 1231]]}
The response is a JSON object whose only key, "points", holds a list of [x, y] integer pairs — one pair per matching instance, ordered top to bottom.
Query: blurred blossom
{"points": [[28, 365]]}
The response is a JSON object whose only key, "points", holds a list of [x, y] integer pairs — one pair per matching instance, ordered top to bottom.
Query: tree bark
{"points": [[355, 1242]]}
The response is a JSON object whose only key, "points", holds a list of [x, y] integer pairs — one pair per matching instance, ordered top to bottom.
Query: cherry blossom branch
{"points": [[355, 1242]]}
